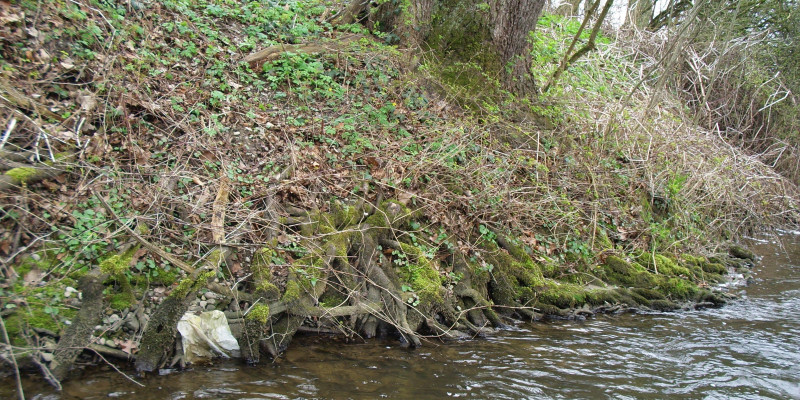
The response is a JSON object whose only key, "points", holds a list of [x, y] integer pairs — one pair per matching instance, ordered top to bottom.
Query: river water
{"points": [[749, 349]]}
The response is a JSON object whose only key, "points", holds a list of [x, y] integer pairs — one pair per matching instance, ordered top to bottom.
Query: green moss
{"points": [[460, 37], [21, 175], [390, 213], [343, 215], [377, 220], [320, 223], [142, 229], [602, 241], [341, 242], [515, 249], [735, 251], [215, 258], [262, 260], [692, 260], [115, 265], [665, 265], [618, 266], [522, 267], [714, 268], [550, 269], [619, 271], [480, 274], [421, 276], [166, 278], [187, 285], [428, 285], [183, 288], [267, 289], [678, 289], [292, 292], [649, 294], [563, 295], [705, 295], [625, 296], [599, 297], [332, 298], [122, 300], [663, 305], [550, 309], [260, 313], [32, 316], [15, 327]]}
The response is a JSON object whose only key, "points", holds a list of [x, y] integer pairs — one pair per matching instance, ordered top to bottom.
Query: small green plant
{"points": [[304, 75], [487, 233]]}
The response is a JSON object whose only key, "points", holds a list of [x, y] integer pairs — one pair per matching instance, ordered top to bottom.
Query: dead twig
{"points": [[144, 242]]}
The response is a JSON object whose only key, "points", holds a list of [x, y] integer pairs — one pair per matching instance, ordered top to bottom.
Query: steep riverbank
{"points": [[343, 186], [745, 349]]}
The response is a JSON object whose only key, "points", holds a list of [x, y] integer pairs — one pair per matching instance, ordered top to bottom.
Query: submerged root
{"points": [[362, 275]]}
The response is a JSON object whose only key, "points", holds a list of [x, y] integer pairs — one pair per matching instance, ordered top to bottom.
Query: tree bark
{"points": [[640, 12], [410, 21], [512, 21], [504, 26]]}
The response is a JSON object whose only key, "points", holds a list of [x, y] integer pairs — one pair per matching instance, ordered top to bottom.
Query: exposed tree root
{"points": [[362, 273], [79, 333]]}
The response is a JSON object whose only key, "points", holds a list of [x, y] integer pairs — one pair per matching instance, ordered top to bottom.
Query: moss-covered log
{"points": [[15, 178]]}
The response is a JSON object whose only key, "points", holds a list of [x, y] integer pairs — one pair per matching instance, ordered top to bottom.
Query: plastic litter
{"points": [[207, 336]]}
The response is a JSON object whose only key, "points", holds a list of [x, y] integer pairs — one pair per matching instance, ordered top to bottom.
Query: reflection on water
{"points": [[748, 350]]}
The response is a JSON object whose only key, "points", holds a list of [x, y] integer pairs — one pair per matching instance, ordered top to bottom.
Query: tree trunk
{"points": [[640, 12], [512, 21], [409, 22], [500, 29]]}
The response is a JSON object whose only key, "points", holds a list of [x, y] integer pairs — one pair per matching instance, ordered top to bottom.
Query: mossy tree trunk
{"points": [[503, 26], [78, 335]]}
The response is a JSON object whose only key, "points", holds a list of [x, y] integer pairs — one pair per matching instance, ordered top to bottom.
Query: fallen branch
{"points": [[274, 52], [18, 99], [24, 174], [149, 246], [108, 351]]}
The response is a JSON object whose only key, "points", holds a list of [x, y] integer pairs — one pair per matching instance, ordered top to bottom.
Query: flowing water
{"points": [[749, 349]]}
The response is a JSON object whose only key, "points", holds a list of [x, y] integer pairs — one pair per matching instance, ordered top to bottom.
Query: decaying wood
{"points": [[272, 53], [14, 97], [33, 172], [218, 216], [77, 336], [108, 351]]}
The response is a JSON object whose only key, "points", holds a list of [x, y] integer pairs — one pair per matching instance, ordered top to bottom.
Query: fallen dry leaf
{"points": [[33, 277], [127, 346]]}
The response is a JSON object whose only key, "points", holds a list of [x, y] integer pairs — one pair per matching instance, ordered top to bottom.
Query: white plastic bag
{"points": [[206, 336]]}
